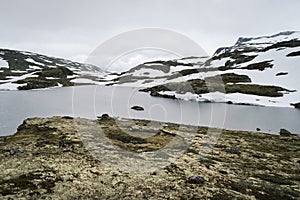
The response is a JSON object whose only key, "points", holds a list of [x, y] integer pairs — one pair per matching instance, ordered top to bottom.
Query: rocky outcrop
{"points": [[48, 159]]}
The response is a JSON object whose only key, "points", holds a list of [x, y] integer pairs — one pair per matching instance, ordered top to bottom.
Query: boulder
{"points": [[138, 108], [285, 132], [196, 180]]}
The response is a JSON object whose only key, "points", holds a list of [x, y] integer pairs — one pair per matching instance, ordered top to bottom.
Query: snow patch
{"points": [[3, 63]]}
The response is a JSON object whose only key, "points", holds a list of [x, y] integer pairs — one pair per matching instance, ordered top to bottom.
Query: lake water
{"points": [[93, 101]]}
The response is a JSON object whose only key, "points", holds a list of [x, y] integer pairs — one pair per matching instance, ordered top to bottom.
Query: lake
{"points": [[93, 101]]}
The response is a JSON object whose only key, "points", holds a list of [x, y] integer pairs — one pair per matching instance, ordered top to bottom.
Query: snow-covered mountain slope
{"points": [[26, 70], [259, 71], [158, 72]]}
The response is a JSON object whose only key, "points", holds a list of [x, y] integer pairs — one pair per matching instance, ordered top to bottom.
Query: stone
{"points": [[137, 108], [105, 117], [285, 132], [233, 151], [196, 180]]}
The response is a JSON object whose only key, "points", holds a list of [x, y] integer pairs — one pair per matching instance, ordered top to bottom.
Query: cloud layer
{"points": [[73, 29]]}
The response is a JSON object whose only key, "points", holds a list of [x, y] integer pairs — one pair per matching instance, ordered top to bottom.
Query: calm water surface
{"points": [[93, 101]]}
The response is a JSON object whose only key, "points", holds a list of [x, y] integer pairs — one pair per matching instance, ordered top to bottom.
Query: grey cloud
{"points": [[73, 29]]}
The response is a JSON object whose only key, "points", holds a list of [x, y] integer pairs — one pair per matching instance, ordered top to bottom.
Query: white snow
{"points": [[272, 40], [193, 60], [34, 62], [3, 63], [281, 63], [34, 67], [153, 73], [51, 78], [84, 81], [10, 86], [187, 96]]}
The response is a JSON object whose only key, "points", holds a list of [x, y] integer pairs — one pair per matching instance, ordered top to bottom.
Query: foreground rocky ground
{"points": [[51, 158]]}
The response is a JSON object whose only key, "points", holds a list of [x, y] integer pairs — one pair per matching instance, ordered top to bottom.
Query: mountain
{"points": [[25, 70], [255, 70], [259, 71]]}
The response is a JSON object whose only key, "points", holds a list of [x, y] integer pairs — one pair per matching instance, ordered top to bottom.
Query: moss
{"points": [[57, 72], [229, 78], [37, 83], [218, 83], [261, 90], [124, 140], [274, 175], [274, 178], [30, 181]]}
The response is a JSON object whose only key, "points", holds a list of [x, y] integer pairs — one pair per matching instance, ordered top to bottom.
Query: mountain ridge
{"points": [[255, 70]]}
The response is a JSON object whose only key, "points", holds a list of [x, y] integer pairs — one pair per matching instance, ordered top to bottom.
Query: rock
{"points": [[281, 74], [296, 105], [138, 108], [67, 117], [105, 117], [258, 129], [285, 132], [65, 144], [13, 151], [233, 151], [257, 155], [223, 172], [196, 180]]}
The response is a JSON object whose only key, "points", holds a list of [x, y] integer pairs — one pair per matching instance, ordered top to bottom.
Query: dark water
{"points": [[93, 101]]}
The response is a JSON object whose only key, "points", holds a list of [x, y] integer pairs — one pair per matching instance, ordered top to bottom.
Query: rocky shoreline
{"points": [[48, 159]]}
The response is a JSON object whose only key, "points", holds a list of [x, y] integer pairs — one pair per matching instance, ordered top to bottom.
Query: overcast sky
{"points": [[73, 29]]}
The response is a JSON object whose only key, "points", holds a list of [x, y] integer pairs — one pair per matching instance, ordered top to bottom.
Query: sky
{"points": [[73, 29]]}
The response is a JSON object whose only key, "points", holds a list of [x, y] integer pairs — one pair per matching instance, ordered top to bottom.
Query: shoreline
{"points": [[47, 159]]}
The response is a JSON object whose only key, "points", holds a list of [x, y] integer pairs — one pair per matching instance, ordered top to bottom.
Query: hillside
{"points": [[25, 70], [254, 71], [259, 71]]}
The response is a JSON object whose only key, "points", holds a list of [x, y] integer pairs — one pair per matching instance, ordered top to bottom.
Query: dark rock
{"points": [[296, 53], [281, 74], [296, 105], [138, 108], [67, 117], [104, 117], [45, 128], [258, 129], [285, 132], [42, 143], [65, 144], [207, 145], [13, 151], [233, 151], [257, 155], [223, 172], [196, 180]]}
